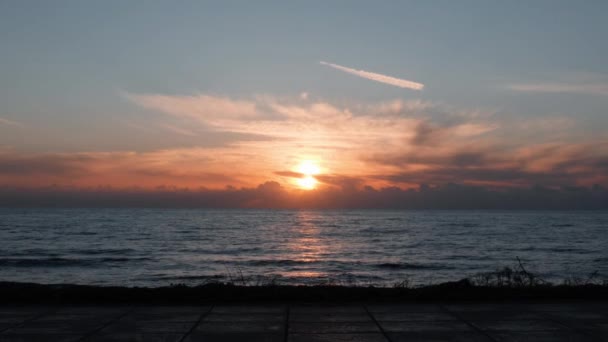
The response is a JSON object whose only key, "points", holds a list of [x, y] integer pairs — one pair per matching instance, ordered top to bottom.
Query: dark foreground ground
{"points": [[215, 312], [495, 321]]}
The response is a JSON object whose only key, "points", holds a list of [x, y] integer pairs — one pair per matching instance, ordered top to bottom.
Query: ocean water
{"points": [[153, 247]]}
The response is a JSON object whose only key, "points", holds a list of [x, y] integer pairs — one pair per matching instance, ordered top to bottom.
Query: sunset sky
{"points": [[313, 95]]}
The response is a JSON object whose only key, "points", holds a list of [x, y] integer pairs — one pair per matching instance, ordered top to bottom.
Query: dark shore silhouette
{"points": [[29, 293]]}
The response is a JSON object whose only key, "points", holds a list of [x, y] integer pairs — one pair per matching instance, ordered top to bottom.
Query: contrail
{"points": [[397, 82]]}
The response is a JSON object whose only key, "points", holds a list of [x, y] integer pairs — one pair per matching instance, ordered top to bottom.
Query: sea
{"points": [[160, 247]]}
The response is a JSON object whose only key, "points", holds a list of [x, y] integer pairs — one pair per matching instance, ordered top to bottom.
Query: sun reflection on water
{"points": [[307, 247]]}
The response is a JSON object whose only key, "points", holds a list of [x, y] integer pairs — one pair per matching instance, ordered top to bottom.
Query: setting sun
{"points": [[308, 169], [307, 183]]}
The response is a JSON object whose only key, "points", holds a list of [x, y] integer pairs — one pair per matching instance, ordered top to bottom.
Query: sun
{"points": [[308, 169], [307, 182]]}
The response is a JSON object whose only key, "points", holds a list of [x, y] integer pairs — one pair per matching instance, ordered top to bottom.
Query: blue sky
{"points": [[90, 49], [68, 67]]}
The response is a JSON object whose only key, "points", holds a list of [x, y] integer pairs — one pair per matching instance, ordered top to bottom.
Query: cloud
{"points": [[397, 82], [574, 88], [213, 109], [10, 123], [294, 128], [178, 130], [428, 132], [398, 142], [384, 144], [555, 164], [64, 165], [191, 167], [291, 174], [274, 195]]}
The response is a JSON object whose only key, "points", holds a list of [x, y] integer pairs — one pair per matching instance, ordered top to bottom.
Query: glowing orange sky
{"points": [[219, 95], [395, 143]]}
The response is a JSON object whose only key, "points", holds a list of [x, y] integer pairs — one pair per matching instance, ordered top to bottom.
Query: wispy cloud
{"points": [[397, 82], [574, 88], [10, 123], [178, 130], [418, 141], [392, 143]]}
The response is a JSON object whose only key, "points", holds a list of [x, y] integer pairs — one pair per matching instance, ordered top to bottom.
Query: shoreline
{"points": [[33, 293]]}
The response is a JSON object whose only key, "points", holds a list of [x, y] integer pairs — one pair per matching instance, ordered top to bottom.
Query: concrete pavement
{"points": [[557, 321]]}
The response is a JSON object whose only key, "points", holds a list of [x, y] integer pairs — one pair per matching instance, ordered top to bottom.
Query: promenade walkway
{"points": [[556, 321]]}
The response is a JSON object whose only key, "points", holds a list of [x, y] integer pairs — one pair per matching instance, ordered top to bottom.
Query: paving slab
{"points": [[600, 306], [407, 307], [249, 309], [325, 309], [24, 310], [171, 310], [97, 311], [167, 314], [499, 315], [414, 316], [585, 316], [13, 317], [172, 317], [245, 317], [329, 317], [10, 321], [309, 322], [517, 325], [130, 326], [421, 326], [56, 327], [240, 327], [333, 327], [596, 329], [198, 336], [434, 336], [541, 336], [39, 337], [135, 337], [336, 337]]}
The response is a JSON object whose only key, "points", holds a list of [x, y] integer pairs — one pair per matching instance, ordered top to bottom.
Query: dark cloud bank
{"points": [[273, 195]]}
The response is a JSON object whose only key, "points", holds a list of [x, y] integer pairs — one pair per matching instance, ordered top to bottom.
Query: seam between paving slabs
{"points": [[200, 319], [27, 320], [377, 323], [106, 324], [471, 325], [573, 328], [286, 336]]}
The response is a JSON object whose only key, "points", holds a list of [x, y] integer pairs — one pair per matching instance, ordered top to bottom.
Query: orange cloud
{"points": [[392, 143]]}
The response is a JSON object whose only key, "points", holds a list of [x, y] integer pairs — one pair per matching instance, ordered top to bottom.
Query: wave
{"points": [[461, 224], [382, 230], [84, 233], [573, 250], [119, 251], [64, 262], [280, 262], [409, 266], [183, 277]]}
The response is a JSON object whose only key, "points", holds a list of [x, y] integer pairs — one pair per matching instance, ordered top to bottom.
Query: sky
{"points": [[310, 96]]}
